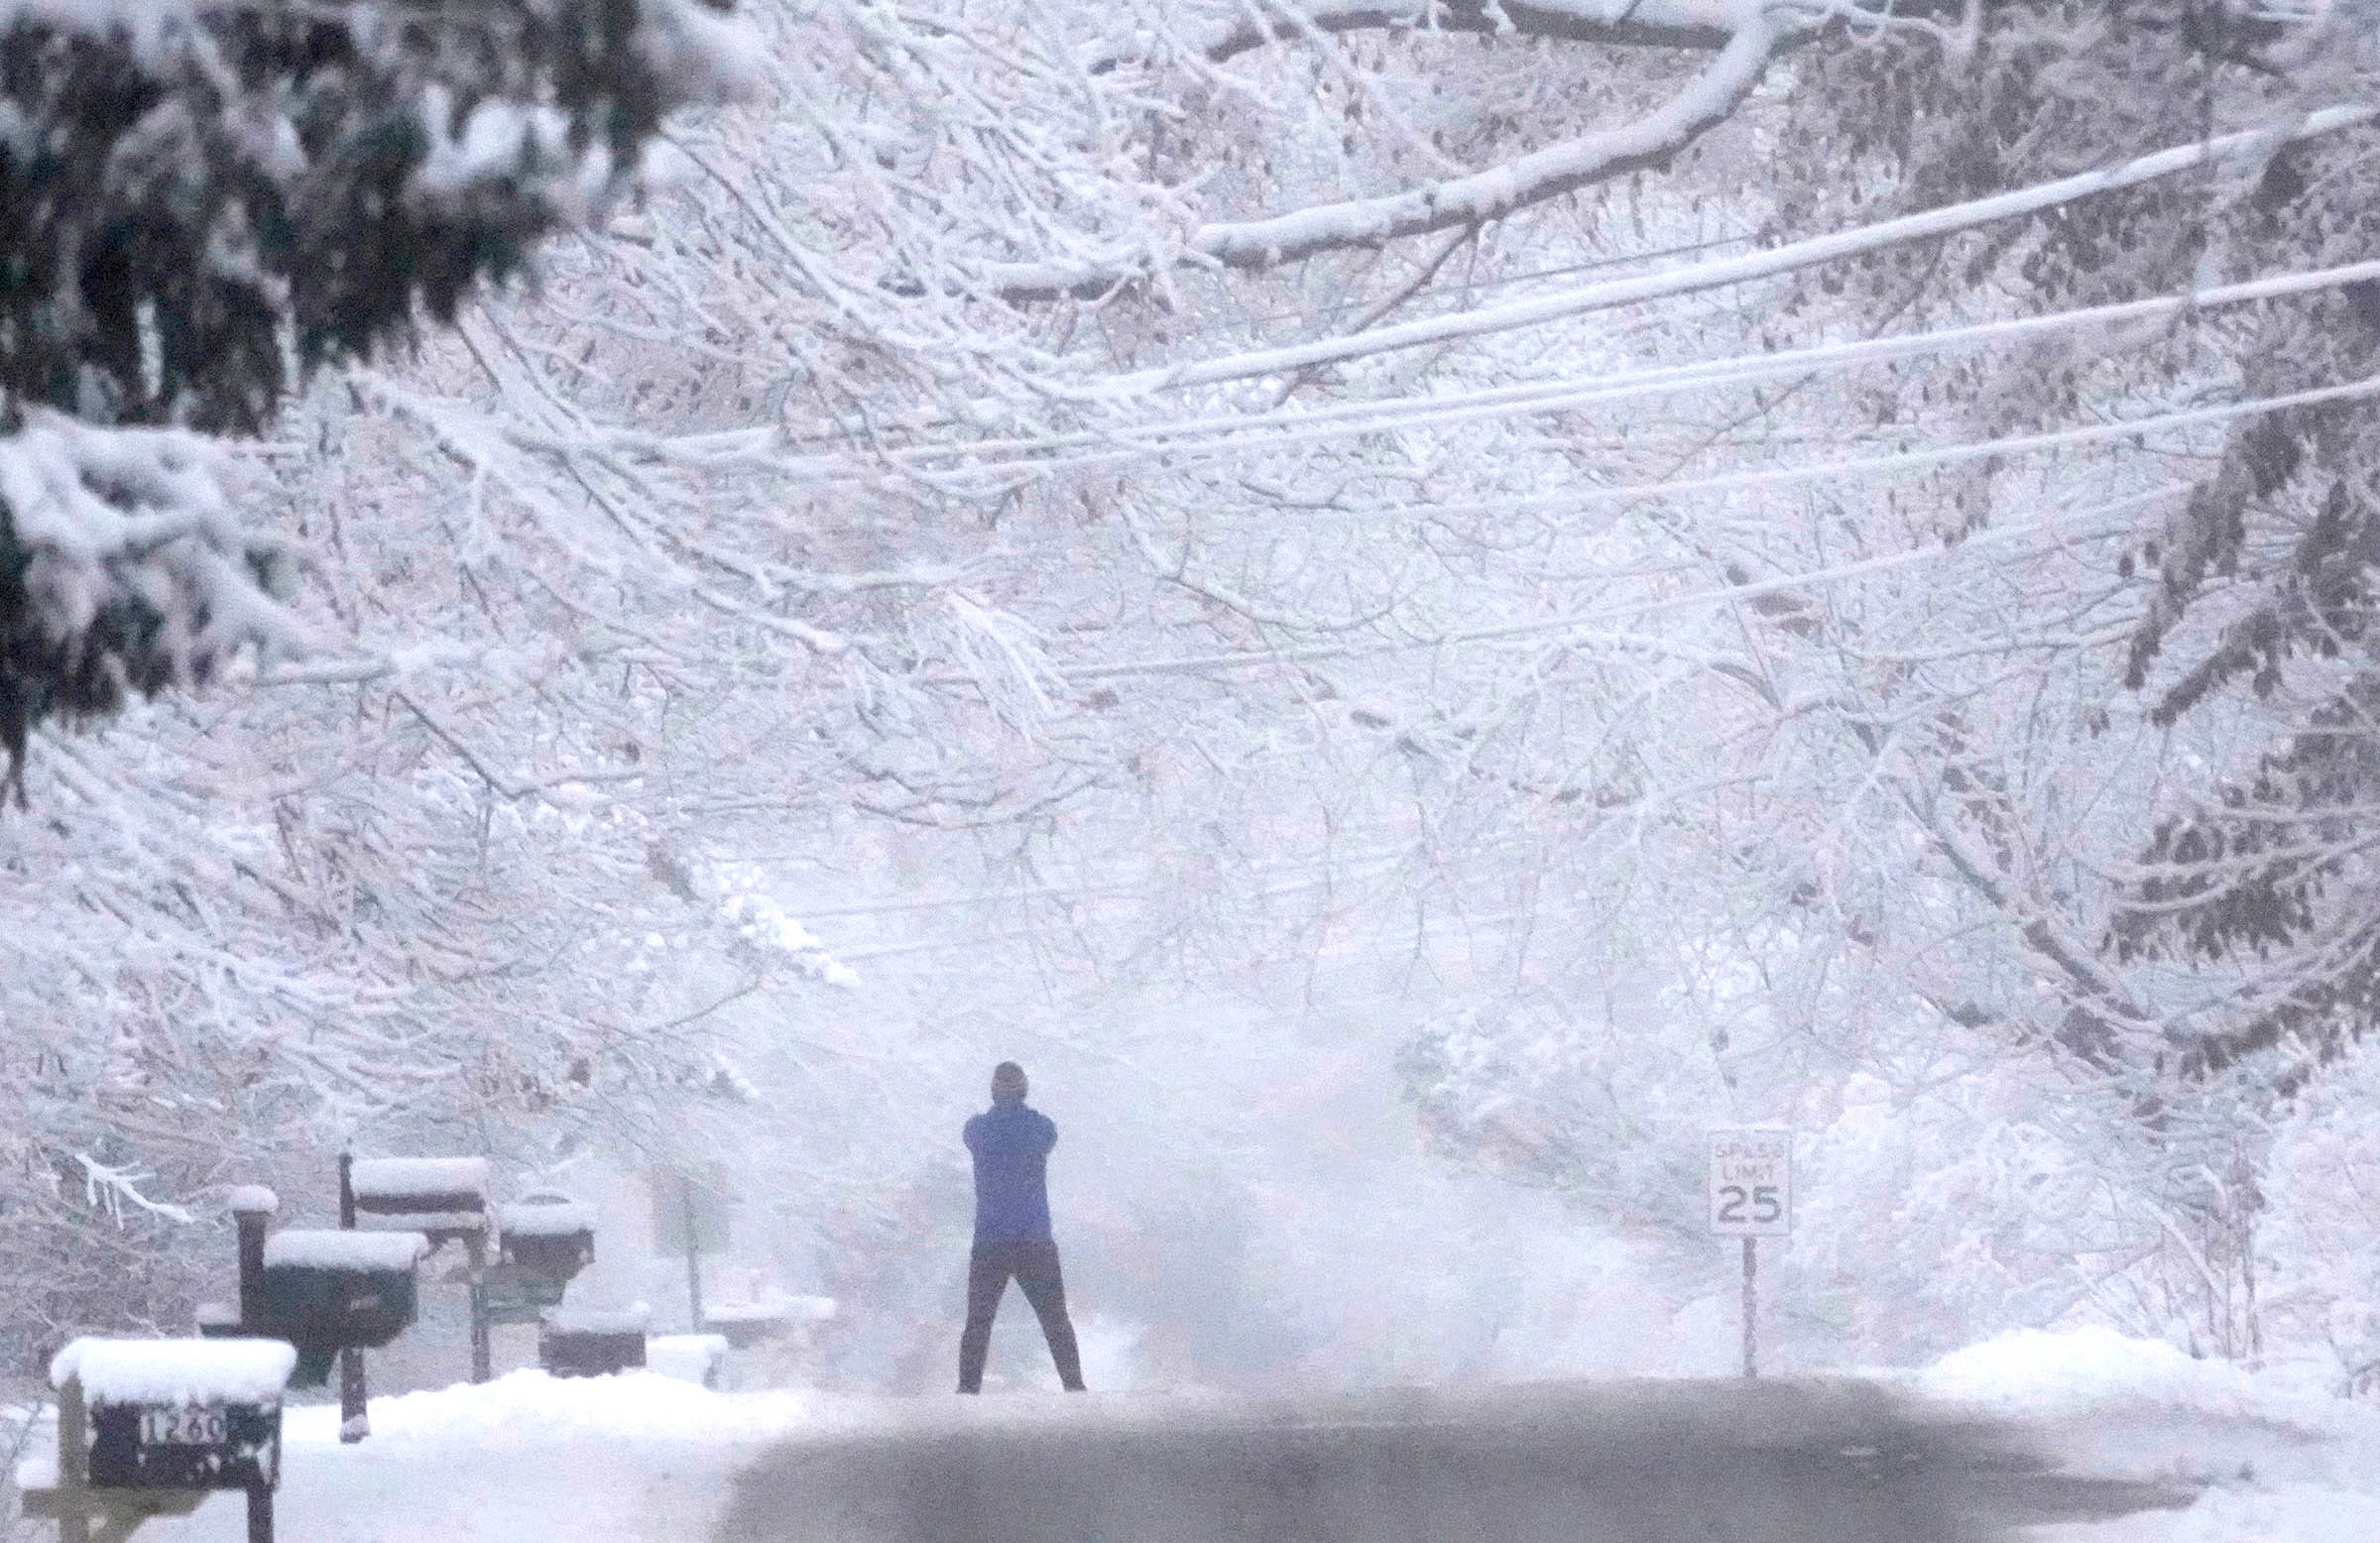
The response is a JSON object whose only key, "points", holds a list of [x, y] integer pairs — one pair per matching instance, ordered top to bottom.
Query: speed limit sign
{"points": [[1751, 1182]]}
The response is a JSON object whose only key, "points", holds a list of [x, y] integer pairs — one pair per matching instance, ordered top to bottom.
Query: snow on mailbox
{"points": [[442, 1198], [549, 1235], [545, 1241], [325, 1291], [578, 1342], [180, 1414]]}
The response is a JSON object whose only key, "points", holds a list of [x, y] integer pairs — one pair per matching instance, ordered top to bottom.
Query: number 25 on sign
{"points": [[1751, 1182]]}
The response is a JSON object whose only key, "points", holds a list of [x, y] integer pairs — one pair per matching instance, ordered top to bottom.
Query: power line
{"points": [[1770, 261], [1590, 266], [1221, 434], [1002, 461], [2058, 530], [1007, 897]]}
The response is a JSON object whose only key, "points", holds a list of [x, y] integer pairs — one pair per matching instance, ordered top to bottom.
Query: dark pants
{"points": [[1034, 1263]]}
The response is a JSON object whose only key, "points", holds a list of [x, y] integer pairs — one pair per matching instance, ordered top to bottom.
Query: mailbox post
{"points": [[253, 1207], [694, 1214], [334, 1294], [328, 1295], [355, 1398], [150, 1428]]}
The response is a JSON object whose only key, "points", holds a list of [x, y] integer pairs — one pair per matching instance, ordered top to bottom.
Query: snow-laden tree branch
{"points": [[1751, 43], [124, 568]]}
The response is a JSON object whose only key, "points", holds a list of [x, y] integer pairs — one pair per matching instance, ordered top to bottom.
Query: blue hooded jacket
{"points": [[1011, 1144]]}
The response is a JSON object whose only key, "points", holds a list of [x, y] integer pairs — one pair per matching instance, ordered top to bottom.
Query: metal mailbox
{"points": [[445, 1199], [547, 1236], [544, 1241], [325, 1291], [518, 1296], [579, 1342], [580, 1353], [175, 1414], [149, 1428], [186, 1446]]}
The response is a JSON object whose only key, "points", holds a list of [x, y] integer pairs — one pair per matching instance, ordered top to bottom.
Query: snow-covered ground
{"points": [[647, 1456], [523, 1458], [2282, 1461]]}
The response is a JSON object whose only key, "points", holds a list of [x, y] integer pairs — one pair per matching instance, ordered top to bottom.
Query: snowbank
{"points": [[688, 1357], [174, 1371], [2090, 1371], [528, 1411], [638, 1456], [2277, 1458], [2284, 1514]]}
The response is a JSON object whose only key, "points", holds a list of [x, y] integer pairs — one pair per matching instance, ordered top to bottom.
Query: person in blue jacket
{"points": [[1011, 1145]]}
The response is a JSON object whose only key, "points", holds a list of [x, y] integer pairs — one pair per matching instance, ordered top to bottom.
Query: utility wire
{"points": [[1506, 281], [1003, 462], [2056, 533]]}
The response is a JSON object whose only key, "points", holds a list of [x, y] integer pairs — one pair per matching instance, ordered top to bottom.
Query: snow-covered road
{"points": [[2047, 1437], [1674, 1462]]}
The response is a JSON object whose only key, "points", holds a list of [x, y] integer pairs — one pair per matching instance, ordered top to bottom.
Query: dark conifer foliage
{"points": [[201, 201], [2258, 587]]}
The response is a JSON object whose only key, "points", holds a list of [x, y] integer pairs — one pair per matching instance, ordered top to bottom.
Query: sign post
{"points": [[1751, 1198], [691, 1212], [693, 1260], [1751, 1307], [355, 1404]]}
